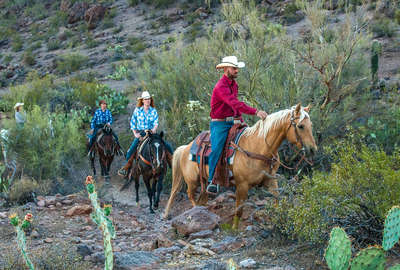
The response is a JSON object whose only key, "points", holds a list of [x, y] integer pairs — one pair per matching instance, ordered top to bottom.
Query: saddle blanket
{"points": [[230, 155]]}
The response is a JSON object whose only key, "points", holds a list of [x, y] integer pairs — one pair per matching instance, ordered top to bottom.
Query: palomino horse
{"points": [[263, 139], [107, 147], [152, 165]]}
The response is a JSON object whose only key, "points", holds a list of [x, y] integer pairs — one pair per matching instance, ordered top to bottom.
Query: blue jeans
{"points": [[219, 133], [132, 149]]}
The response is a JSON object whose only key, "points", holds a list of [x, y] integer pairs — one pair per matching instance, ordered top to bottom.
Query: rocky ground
{"points": [[200, 238]]}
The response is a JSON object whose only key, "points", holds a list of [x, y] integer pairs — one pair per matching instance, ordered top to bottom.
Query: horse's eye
{"points": [[300, 126]]}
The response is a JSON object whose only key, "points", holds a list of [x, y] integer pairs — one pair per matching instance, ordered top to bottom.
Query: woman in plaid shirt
{"points": [[144, 118]]}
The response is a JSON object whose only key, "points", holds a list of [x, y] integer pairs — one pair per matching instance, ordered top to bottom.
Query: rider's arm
{"points": [[226, 95], [109, 117], [155, 121], [93, 122]]}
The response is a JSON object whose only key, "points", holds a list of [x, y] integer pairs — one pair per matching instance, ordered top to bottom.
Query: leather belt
{"points": [[227, 119]]}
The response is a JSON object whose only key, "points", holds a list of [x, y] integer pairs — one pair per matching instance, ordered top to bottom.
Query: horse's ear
{"points": [[298, 107], [307, 109], [162, 134]]}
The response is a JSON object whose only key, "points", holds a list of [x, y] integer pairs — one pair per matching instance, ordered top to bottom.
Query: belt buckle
{"points": [[229, 119]]}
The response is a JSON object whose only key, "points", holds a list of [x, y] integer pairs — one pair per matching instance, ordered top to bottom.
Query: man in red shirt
{"points": [[225, 108]]}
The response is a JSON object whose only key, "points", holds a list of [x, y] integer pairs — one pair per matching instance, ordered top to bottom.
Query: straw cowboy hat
{"points": [[230, 61], [145, 95], [18, 104]]}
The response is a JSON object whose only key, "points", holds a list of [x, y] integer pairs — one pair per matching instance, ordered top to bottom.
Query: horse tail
{"points": [[177, 177]]}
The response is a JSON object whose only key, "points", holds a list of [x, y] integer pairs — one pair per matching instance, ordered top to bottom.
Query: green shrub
{"points": [[133, 3], [37, 12], [397, 16], [58, 19], [383, 27], [194, 31], [90, 41], [17, 43], [53, 44], [136, 45], [35, 46], [118, 52], [28, 58], [7, 59], [71, 62], [116, 102], [48, 145], [22, 190], [355, 195]]}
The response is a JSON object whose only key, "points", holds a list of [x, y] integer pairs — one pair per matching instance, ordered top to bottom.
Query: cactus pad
{"points": [[391, 232], [338, 252], [371, 258], [396, 267]]}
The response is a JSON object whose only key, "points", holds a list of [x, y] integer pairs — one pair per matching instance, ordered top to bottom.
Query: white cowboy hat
{"points": [[230, 61], [145, 95], [18, 104]]}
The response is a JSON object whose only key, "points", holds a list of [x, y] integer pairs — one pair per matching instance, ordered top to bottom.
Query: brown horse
{"points": [[264, 138], [107, 147]]}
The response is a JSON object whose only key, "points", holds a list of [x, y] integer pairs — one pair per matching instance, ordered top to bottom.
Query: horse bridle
{"points": [[294, 124], [150, 163]]}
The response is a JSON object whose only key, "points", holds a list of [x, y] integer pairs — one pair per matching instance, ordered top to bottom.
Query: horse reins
{"points": [[274, 158]]}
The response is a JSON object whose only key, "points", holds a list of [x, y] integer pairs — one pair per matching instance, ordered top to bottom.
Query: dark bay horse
{"points": [[264, 139], [106, 146], [151, 163]]}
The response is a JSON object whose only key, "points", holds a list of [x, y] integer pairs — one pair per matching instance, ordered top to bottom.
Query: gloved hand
{"points": [[142, 133]]}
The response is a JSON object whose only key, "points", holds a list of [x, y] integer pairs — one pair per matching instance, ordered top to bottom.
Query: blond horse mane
{"points": [[272, 121]]}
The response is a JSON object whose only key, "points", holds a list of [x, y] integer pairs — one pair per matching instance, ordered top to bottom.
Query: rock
{"points": [[65, 5], [77, 11], [94, 14], [62, 34], [228, 196], [40, 198], [50, 200], [67, 202], [41, 203], [58, 204], [79, 210], [3, 214], [195, 220], [35, 234], [201, 234], [48, 240], [229, 243], [117, 249], [83, 250], [163, 251], [135, 260], [248, 263], [210, 265], [288, 267]]}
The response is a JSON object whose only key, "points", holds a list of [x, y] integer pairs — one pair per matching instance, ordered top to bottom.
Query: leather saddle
{"points": [[201, 149]]}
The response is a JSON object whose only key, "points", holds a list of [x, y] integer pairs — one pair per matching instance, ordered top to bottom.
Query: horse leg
{"points": [[110, 160], [92, 164], [136, 178], [159, 189], [191, 190], [149, 192], [241, 195]]}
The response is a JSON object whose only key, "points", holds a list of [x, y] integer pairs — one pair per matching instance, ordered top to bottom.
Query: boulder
{"points": [[77, 12], [94, 14], [79, 210], [195, 220]]}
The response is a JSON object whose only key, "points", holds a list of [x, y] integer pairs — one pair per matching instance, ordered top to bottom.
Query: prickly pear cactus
{"points": [[99, 216], [391, 232], [338, 252], [371, 258], [396, 267]]}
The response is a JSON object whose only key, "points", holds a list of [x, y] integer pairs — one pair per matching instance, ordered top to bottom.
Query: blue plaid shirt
{"points": [[101, 118], [143, 121]]}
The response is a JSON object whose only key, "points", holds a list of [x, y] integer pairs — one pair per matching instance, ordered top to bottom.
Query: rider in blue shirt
{"points": [[101, 117], [144, 118]]}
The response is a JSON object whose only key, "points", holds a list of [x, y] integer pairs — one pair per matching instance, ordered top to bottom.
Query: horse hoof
{"points": [[137, 204], [155, 207], [152, 211]]}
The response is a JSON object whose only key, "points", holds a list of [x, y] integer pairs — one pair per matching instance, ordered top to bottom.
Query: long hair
{"points": [[140, 102]]}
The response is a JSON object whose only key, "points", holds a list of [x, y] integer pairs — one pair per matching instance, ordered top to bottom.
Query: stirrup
{"points": [[122, 172], [212, 189]]}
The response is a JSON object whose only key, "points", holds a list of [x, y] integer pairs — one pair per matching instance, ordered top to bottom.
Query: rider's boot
{"points": [[124, 170]]}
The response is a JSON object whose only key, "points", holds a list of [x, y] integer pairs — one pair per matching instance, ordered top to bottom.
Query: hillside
{"points": [[60, 57]]}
